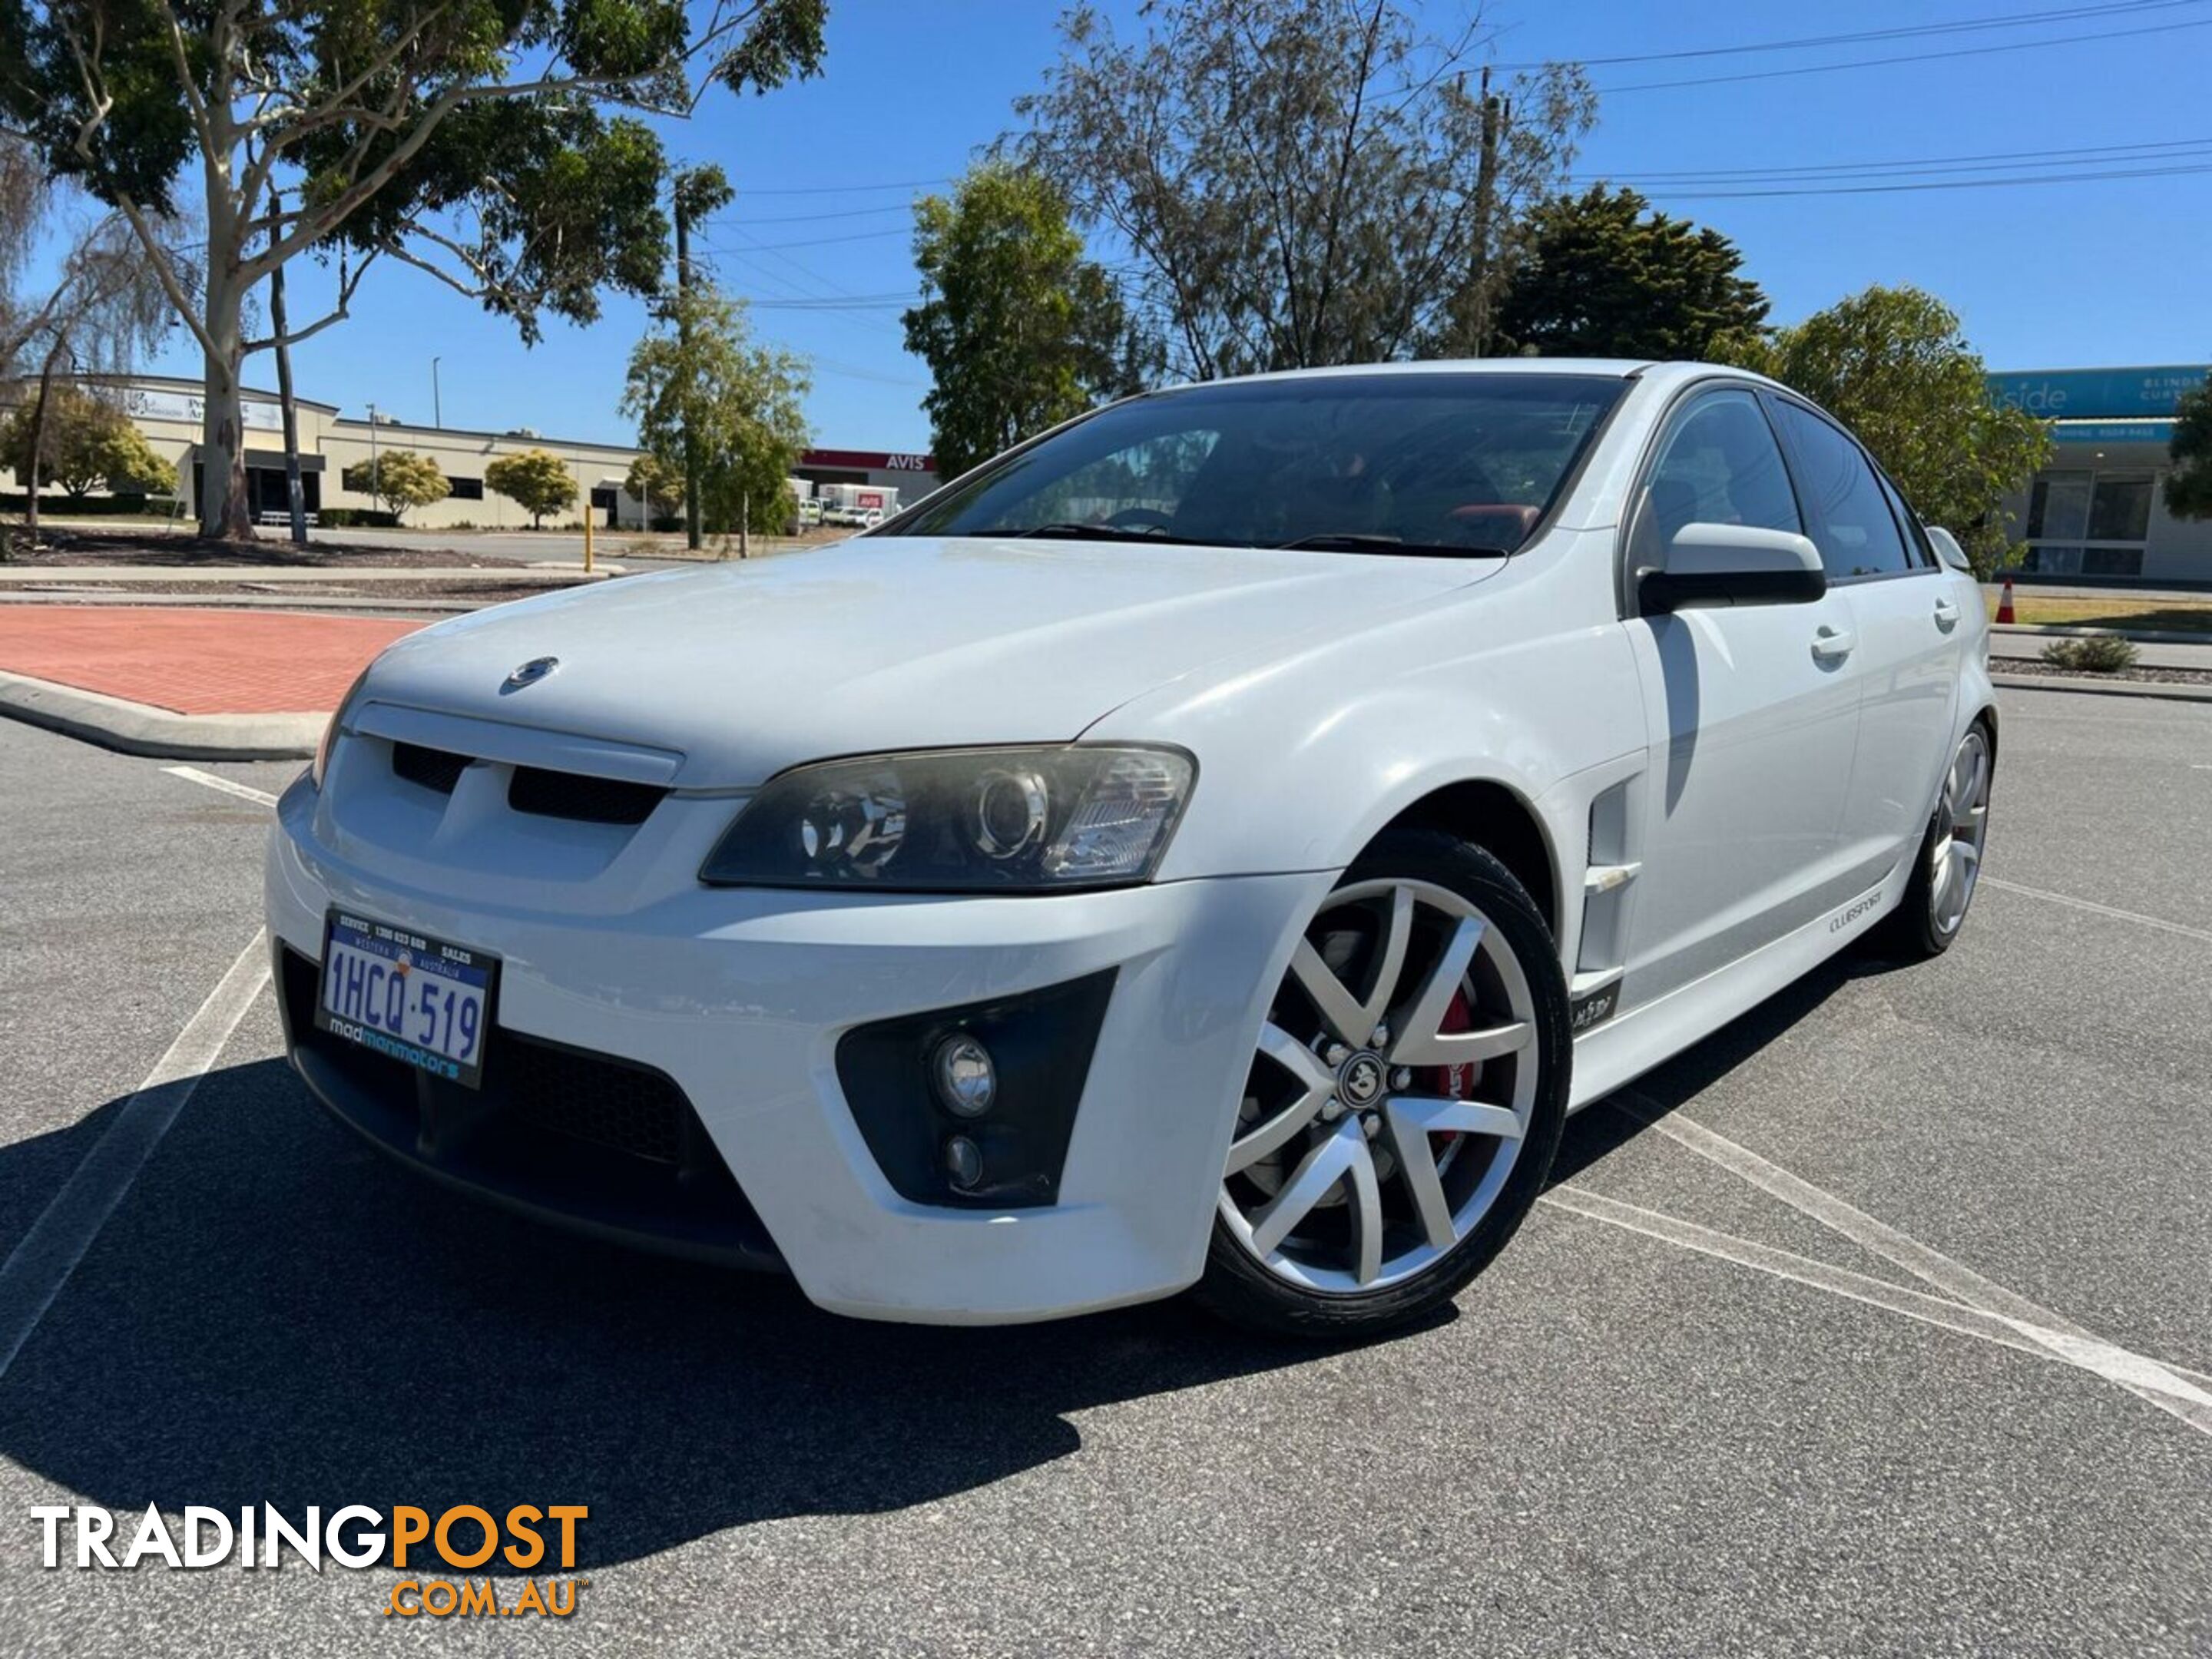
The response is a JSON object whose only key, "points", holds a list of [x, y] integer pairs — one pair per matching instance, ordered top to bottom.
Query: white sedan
{"points": [[1214, 844]]}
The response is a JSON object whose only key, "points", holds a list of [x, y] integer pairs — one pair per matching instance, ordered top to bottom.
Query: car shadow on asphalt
{"points": [[1608, 1125], [278, 1314]]}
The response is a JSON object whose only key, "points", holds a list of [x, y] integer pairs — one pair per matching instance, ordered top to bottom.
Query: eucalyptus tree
{"points": [[498, 146], [1302, 182]]}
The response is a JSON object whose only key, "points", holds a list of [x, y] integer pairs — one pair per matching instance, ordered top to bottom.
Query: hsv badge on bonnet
{"points": [[529, 674]]}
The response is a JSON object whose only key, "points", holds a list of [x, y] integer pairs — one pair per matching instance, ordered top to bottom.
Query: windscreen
{"points": [[1448, 462]]}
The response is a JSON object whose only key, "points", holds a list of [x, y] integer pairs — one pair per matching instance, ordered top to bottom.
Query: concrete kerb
{"points": [[542, 575], [2080, 631], [2104, 688], [137, 728]]}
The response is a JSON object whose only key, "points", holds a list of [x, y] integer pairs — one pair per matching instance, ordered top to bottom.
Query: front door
{"points": [[1752, 714]]}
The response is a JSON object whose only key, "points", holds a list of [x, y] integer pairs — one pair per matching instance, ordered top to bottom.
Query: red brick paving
{"points": [[196, 662]]}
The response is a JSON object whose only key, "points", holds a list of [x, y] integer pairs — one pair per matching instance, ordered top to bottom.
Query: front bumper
{"points": [[738, 999]]}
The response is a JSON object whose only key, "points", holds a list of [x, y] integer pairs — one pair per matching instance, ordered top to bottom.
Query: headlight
{"points": [[321, 763], [968, 820]]}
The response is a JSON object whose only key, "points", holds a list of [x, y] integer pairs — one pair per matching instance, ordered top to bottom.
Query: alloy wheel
{"points": [[1954, 861], [1391, 1093]]}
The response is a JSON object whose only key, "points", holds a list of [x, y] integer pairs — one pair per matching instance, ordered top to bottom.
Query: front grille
{"points": [[434, 769], [586, 800], [601, 1101], [572, 1136]]}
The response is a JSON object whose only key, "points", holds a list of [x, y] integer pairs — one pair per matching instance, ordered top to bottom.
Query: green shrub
{"points": [[356, 518], [2094, 655]]}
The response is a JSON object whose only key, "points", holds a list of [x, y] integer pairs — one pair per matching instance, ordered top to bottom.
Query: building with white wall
{"points": [[166, 410]]}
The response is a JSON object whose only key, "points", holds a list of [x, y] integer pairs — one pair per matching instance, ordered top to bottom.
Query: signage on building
{"points": [[2059, 394], [159, 404], [2114, 432], [869, 460]]}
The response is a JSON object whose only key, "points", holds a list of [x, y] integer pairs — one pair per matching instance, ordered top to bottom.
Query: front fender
{"points": [[1302, 761]]}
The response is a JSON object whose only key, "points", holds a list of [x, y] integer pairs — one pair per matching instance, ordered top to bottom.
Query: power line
{"points": [[2010, 19], [1917, 58], [2148, 150], [894, 184], [1696, 195], [803, 218], [824, 241], [853, 372]]}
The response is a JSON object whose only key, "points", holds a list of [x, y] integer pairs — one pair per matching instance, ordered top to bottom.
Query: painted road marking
{"points": [[245, 792], [2095, 908], [41, 1264], [2016, 1335], [2137, 1373]]}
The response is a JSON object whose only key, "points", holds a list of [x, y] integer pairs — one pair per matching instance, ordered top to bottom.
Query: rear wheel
{"points": [[1934, 908], [1405, 1102]]}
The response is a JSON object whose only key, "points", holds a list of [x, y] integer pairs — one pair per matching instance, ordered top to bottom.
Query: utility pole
{"points": [[698, 191], [1485, 213], [683, 351], [437, 405], [375, 474], [294, 496]]}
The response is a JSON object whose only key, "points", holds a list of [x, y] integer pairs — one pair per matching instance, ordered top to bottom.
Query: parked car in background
{"points": [[1215, 844]]}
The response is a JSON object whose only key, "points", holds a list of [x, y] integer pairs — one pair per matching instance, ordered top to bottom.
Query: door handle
{"points": [[1947, 615], [1833, 644]]}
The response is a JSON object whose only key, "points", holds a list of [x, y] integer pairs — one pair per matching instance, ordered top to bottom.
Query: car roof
{"points": [[1665, 373]]}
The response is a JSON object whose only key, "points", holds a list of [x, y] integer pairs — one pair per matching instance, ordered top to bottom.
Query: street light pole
{"points": [[437, 407], [375, 474]]}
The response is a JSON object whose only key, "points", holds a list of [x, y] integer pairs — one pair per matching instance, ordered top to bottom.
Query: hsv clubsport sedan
{"points": [[1214, 844]]}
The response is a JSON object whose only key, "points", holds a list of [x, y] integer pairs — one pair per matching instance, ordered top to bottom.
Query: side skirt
{"points": [[1618, 1051]]}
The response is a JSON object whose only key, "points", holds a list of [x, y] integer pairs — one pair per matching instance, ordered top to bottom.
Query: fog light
{"points": [[967, 1080], [964, 1161]]}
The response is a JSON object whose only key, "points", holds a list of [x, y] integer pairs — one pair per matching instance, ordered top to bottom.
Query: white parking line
{"points": [[245, 792], [2095, 908], [40, 1265], [2044, 1344], [2137, 1373]]}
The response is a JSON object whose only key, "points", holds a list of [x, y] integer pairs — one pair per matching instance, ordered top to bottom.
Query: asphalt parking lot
{"points": [[1880, 1323]]}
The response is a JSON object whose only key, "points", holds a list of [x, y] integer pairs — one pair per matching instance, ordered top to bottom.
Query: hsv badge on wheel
{"points": [[1214, 844]]}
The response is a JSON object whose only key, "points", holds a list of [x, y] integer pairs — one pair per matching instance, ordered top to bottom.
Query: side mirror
{"points": [[1948, 550], [1733, 564]]}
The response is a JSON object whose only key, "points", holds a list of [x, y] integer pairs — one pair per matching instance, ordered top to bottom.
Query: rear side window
{"points": [[1717, 463], [1852, 525], [1919, 550]]}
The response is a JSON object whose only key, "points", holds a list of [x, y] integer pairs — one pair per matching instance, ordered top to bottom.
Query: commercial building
{"points": [[167, 412], [2098, 507]]}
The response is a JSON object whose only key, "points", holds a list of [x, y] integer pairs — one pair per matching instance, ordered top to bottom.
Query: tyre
{"points": [[1934, 908], [1405, 1103]]}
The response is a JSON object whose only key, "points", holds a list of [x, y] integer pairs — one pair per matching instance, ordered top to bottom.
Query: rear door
{"points": [[1908, 613], [1752, 714]]}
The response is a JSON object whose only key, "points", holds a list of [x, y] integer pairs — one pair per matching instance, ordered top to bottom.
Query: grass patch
{"points": [[2165, 615]]}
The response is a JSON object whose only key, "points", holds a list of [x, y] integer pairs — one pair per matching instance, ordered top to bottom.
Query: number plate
{"points": [[415, 999]]}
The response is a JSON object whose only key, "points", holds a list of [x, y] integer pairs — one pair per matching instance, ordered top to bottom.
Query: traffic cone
{"points": [[2004, 602]]}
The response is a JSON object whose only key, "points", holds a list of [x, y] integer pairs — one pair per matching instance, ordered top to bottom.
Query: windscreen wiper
{"points": [[1069, 531], [1352, 542]]}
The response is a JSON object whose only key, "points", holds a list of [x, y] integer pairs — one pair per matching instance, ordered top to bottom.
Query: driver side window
{"points": [[1718, 463]]}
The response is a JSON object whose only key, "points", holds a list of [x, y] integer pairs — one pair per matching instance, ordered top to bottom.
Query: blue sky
{"points": [[2104, 271]]}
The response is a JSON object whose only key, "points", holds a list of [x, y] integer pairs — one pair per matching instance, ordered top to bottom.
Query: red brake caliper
{"points": [[1452, 1081]]}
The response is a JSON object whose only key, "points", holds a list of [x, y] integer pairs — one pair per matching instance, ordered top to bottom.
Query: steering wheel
{"points": [[1141, 518]]}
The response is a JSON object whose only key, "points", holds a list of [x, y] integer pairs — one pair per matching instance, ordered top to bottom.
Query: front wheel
{"points": [[1405, 1102]]}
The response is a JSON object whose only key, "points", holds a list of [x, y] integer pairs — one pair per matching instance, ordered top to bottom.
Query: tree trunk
{"points": [[38, 448], [226, 510]]}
